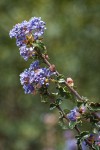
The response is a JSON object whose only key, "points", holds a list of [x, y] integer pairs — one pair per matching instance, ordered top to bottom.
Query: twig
{"points": [[70, 88], [72, 91]]}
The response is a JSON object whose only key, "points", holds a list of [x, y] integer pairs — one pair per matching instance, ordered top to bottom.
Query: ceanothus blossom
{"points": [[37, 26], [33, 28], [26, 33], [26, 52], [35, 77], [74, 114]]}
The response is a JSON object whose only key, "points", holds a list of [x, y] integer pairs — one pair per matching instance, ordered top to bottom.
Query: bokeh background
{"points": [[73, 42]]}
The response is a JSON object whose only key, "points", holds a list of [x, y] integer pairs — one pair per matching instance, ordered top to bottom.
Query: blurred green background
{"points": [[73, 42]]}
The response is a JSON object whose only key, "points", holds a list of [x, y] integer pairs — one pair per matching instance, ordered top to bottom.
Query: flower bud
{"points": [[46, 56], [52, 68], [70, 82], [82, 109]]}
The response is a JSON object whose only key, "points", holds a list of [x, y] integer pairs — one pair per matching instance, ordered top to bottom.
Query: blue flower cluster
{"points": [[26, 33], [27, 52], [35, 77], [74, 114]]}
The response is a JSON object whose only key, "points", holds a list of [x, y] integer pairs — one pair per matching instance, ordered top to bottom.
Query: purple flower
{"points": [[38, 26], [20, 31], [26, 32], [26, 52], [35, 65], [25, 76], [35, 77], [28, 88], [74, 114]]}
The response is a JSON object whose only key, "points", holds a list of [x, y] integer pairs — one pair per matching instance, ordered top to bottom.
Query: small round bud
{"points": [[46, 56], [70, 82], [82, 109]]}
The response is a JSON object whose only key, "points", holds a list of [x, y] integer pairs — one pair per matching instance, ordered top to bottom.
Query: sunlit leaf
{"points": [[52, 106]]}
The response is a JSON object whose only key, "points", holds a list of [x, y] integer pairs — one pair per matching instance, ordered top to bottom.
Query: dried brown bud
{"points": [[52, 68]]}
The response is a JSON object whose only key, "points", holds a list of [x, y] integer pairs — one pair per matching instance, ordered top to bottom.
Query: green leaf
{"points": [[40, 44], [41, 47], [60, 76], [61, 80], [63, 92], [55, 94], [85, 99], [58, 101], [79, 103], [52, 106], [94, 106], [66, 111], [93, 119], [60, 121], [63, 124], [72, 124], [97, 125], [65, 127], [95, 131], [84, 133], [81, 137], [78, 141], [96, 147]]}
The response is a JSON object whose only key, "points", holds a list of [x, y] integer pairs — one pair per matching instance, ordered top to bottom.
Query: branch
{"points": [[26, 36], [57, 73], [75, 93]]}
